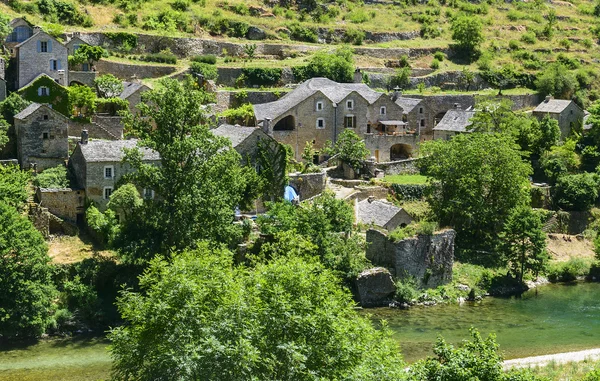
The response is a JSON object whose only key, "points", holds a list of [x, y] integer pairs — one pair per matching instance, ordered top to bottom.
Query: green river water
{"points": [[551, 319]]}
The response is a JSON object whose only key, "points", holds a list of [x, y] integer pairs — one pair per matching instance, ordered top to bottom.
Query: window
{"points": [[44, 46], [55, 65], [43, 91], [349, 104], [319, 106], [382, 110], [420, 110], [45, 117], [349, 121], [422, 122], [320, 123], [45, 135], [108, 172], [107, 192], [148, 194]]}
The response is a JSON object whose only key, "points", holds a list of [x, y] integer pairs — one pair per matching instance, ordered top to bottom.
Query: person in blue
{"points": [[290, 194]]}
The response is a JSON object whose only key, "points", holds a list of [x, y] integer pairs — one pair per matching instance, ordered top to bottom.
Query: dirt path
{"points": [[559, 358]]}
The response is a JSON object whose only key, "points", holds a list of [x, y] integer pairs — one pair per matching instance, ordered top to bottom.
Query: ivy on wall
{"points": [[58, 96]]}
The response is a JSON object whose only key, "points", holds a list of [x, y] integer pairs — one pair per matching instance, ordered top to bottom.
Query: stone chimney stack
{"points": [[37, 29], [358, 78], [396, 94], [548, 97], [457, 106], [266, 126], [84, 136]]}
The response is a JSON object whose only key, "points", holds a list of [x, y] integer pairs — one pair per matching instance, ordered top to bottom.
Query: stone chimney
{"points": [[37, 29], [358, 78], [396, 94], [548, 97], [457, 106], [266, 126], [84, 136]]}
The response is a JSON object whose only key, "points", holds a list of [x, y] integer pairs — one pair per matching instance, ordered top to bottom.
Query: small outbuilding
{"points": [[568, 114], [454, 122], [381, 213]]}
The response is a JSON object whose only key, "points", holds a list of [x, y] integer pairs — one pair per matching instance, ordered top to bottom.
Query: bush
{"points": [[180, 5], [357, 16], [302, 33], [354, 36], [122, 38], [529, 38], [514, 45], [439, 56], [163, 57], [210, 59], [435, 64], [337, 66], [209, 72], [261, 76], [111, 106], [52, 178], [408, 192], [576, 192], [568, 271], [406, 291]]}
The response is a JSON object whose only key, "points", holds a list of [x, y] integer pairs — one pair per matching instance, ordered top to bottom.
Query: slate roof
{"points": [[15, 21], [35, 34], [38, 77], [129, 88], [333, 91], [407, 104], [553, 106], [33, 108], [455, 120], [237, 134], [112, 150], [376, 212]]}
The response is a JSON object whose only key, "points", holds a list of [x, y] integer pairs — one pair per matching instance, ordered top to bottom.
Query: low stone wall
{"points": [[127, 71], [84, 77], [101, 127], [42, 163], [400, 167], [309, 184], [65, 203], [47, 223], [427, 259]]}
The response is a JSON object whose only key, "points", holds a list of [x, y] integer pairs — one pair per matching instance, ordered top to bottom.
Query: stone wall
{"points": [[31, 63], [127, 71], [84, 77], [2, 89], [101, 127], [381, 145], [400, 167], [309, 184], [65, 203], [47, 223], [427, 259]]}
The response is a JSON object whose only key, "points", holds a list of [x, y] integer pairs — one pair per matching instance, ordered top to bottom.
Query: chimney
{"points": [[37, 29], [358, 78], [396, 94], [548, 97], [457, 106], [266, 126], [84, 136]]}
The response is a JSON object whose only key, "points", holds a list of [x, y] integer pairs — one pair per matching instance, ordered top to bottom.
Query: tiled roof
{"points": [[129, 88], [333, 91], [407, 104], [553, 106], [28, 111], [455, 120], [237, 134], [112, 150], [376, 212]]}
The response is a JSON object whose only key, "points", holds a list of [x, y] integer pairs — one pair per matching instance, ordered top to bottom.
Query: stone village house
{"points": [[132, 93], [320, 109], [568, 114], [454, 122], [244, 140], [380, 213]]}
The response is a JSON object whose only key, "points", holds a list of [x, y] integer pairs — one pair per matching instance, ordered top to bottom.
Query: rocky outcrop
{"points": [[426, 258], [375, 287]]}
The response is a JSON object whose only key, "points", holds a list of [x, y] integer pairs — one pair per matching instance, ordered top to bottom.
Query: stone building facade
{"points": [[21, 31], [41, 54], [2, 79], [132, 93], [320, 109], [568, 114], [42, 137], [245, 140], [97, 166], [66, 203]]}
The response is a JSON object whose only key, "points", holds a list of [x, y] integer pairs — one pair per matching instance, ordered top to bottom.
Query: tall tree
{"points": [[467, 33], [87, 54], [556, 80], [492, 115], [199, 181], [475, 181], [13, 185], [524, 242]]}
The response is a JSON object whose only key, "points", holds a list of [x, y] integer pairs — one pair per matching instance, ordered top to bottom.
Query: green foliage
{"points": [[58, 11], [224, 26], [5, 28], [298, 32], [467, 34], [354, 36], [529, 38], [123, 39], [87, 54], [439, 56], [162, 57], [205, 58], [435, 64], [337, 66], [207, 71], [259, 76], [401, 78], [557, 81], [108, 86], [58, 95], [82, 99], [11, 106], [111, 106], [243, 115], [493, 115], [4, 127], [549, 135], [351, 149], [560, 160], [272, 164], [55, 177], [475, 182], [13, 185], [408, 192], [576, 192], [126, 200], [104, 225], [524, 242], [568, 271], [25, 277], [406, 291], [286, 319]]}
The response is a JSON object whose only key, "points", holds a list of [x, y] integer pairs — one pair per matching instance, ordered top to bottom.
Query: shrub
{"points": [[180, 5], [357, 16], [302, 33], [354, 36], [122, 38], [529, 38], [514, 45], [439, 56], [168, 58], [205, 58], [435, 64], [209, 72], [262, 76], [400, 79], [111, 106], [55, 177], [576, 192], [568, 271], [406, 291]]}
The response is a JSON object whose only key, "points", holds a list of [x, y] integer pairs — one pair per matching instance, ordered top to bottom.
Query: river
{"points": [[550, 319]]}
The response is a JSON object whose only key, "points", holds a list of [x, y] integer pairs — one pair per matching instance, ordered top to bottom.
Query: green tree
{"points": [[5, 28], [467, 34], [87, 54], [336, 65], [204, 70], [401, 78], [556, 80], [108, 86], [82, 100], [11, 106], [493, 116], [4, 127], [549, 135], [351, 148], [560, 160], [272, 161], [55, 177], [199, 180], [475, 181], [13, 185], [576, 192], [126, 200], [524, 242], [25, 277], [200, 318]]}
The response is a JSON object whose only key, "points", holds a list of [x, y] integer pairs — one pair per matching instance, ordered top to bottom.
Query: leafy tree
{"points": [[5, 28], [467, 34], [87, 54], [337, 66], [206, 71], [467, 77], [401, 78], [502, 78], [556, 80], [108, 86], [82, 100], [11, 106], [243, 115], [493, 116], [4, 127], [549, 134], [351, 148], [560, 160], [272, 167], [55, 177], [199, 180], [475, 181], [13, 185], [576, 192], [126, 199], [104, 225], [524, 242], [25, 277], [201, 318]]}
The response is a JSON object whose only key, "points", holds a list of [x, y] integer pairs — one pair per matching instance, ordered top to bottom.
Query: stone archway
{"points": [[286, 124], [400, 152]]}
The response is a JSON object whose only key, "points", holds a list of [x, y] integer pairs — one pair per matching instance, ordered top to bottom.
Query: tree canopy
{"points": [[467, 33], [87, 54], [336, 65], [556, 80], [108, 86]]}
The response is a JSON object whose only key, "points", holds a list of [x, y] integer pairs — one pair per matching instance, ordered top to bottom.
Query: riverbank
{"points": [[558, 358]]}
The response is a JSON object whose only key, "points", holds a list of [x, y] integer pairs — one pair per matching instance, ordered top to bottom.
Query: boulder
{"points": [[255, 33], [375, 287]]}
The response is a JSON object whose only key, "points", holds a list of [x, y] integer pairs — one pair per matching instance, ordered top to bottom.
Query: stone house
{"points": [[22, 30], [41, 54], [82, 74], [43, 89], [132, 93], [320, 109], [413, 111], [568, 114], [454, 122], [42, 137], [244, 140], [97, 166], [66, 203], [381, 213]]}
